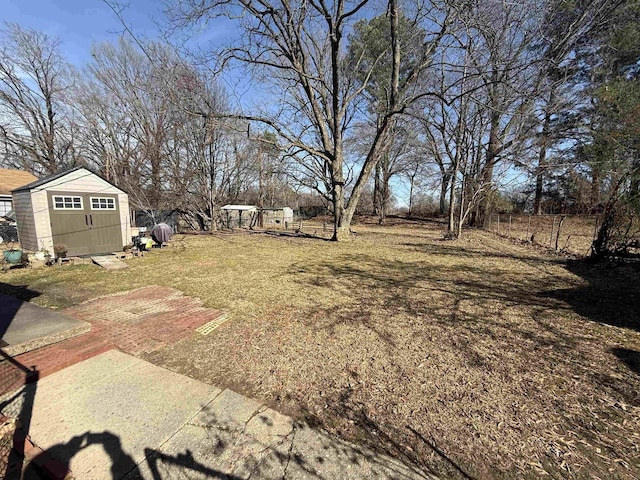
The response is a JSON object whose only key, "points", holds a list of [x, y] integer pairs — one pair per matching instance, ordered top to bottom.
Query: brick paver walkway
{"points": [[135, 322]]}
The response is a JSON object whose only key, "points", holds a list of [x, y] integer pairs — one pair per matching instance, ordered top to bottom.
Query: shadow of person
{"points": [[121, 462]]}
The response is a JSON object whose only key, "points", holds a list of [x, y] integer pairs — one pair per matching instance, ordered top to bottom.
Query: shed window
{"points": [[67, 203], [103, 203]]}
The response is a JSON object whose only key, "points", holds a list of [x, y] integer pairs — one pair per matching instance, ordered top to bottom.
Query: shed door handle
{"points": [[91, 219], [86, 220]]}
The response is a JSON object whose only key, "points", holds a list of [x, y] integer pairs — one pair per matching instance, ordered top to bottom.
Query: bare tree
{"points": [[300, 49], [501, 58], [150, 125], [35, 129]]}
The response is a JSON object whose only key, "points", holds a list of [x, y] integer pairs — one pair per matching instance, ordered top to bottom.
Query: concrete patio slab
{"points": [[25, 326], [99, 416], [116, 416], [270, 446]]}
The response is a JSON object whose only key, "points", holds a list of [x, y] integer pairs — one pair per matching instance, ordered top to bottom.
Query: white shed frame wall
{"points": [[35, 233]]}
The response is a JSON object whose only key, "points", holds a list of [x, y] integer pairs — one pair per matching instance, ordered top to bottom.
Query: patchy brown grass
{"points": [[474, 358]]}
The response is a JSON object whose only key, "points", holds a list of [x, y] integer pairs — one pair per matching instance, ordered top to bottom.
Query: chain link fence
{"points": [[566, 233]]}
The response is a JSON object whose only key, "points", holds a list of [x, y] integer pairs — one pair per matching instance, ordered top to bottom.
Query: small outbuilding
{"points": [[75, 207], [239, 215], [277, 217]]}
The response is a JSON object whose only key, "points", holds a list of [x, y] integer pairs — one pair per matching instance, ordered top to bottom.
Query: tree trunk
{"points": [[50, 136], [493, 149], [542, 156], [411, 183], [595, 186], [444, 188], [376, 190], [384, 199], [452, 201], [537, 201], [340, 220], [341, 224]]}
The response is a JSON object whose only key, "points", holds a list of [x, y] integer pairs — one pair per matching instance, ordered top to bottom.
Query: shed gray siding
{"points": [[25, 220]]}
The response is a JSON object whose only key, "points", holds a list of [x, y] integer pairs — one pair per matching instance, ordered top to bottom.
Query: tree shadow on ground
{"points": [[446, 248], [435, 294], [611, 295], [503, 322], [630, 358], [408, 444], [226, 448]]}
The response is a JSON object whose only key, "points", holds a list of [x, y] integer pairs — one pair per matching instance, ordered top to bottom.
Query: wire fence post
{"points": [[560, 222], [509, 224], [553, 227], [528, 228], [498, 231]]}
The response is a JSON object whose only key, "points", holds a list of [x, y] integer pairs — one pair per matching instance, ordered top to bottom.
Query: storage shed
{"points": [[75, 207], [234, 215], [277, 217]]}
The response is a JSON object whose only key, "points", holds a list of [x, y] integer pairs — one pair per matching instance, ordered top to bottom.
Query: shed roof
{"points": [[50, 178], [12, 179], [239, 207]]}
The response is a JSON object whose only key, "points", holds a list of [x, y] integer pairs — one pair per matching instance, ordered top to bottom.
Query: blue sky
{"points": [[81, 23]]}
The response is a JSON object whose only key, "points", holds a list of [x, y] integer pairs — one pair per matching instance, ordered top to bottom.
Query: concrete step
{"points": [[109, 262]]}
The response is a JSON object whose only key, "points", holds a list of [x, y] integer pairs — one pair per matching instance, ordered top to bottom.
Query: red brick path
{"points": [[135, 322]]}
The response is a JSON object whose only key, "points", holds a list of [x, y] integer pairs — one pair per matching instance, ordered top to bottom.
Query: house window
{"points": [[61, 202], [103, 203], [5, 207]]}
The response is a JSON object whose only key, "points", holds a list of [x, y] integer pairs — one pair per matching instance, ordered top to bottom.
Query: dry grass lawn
{"points": [[576, 231], [476, 358]]}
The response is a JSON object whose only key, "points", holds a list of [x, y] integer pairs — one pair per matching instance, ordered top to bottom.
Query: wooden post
{"points": [[260, 187], [509, 224], [498, 225], [553, 227], [528, 228], [558, 232]]}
